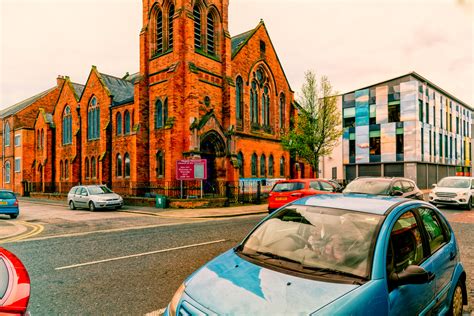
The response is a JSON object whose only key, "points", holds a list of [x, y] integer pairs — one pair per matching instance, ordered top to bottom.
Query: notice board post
{"points": [[191, 169]]}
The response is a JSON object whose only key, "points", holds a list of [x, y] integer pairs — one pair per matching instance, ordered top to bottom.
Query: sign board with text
{"points": [[195, 169]]}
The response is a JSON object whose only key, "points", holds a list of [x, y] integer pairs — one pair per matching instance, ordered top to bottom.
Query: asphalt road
{"points": [[83, 263]]}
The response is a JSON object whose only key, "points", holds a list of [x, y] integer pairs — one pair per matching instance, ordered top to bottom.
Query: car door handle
{"points": [[297, 194], [452, 255], [431, 276]]}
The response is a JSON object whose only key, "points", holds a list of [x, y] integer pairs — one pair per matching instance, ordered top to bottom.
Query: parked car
{"points": [[401, 187], [286, 191], [453, 191], [93, 197], [9, 203], [339, 254], [14, 285]]}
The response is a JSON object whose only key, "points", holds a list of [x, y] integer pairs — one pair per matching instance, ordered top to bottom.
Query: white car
{"points": [[454, 191], [93, 197]]}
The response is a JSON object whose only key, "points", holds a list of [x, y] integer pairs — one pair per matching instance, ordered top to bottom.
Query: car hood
{"points": [[451, 190], [108, 196], [233, 286]]}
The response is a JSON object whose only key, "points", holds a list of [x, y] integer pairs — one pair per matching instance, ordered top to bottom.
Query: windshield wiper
{"points": [[269, 255], [325, 271]]}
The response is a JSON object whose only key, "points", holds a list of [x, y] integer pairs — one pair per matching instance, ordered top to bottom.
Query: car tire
{"points": [[469, 204], [72, 206], [92, 207], [13, 216], [456, 308]]}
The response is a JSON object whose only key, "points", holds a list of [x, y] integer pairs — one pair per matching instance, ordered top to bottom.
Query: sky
{"points": [[355, 43]]}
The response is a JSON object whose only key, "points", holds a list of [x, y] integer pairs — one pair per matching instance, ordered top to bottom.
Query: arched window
{"points": [[170, 26], [197, 27], [159, 32], [211, 48], [239, 94], [254, 103], [265, 106], [282, 110], [165, 112], [158, 114], [93, 120], [119, 123], [127, 123], [67, 126], [7, 134], [42, 138], [240, 160], [160, 164], [127, 165], [254, 165], [270, 166], [282, 166], [87, 167], [263, 167], [93, 168], [66, 169], [61, 170], [118, 171], [7, 172]]}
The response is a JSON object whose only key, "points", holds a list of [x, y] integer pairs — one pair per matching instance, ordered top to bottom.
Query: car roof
{"points": [[301, 180], [366, 203]]}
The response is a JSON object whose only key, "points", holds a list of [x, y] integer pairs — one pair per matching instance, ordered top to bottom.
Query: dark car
{"points": [[401, 187], [9, 203], [14, 285]]}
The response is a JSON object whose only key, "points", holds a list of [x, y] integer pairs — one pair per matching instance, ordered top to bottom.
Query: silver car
{"points": [[93, 197]]}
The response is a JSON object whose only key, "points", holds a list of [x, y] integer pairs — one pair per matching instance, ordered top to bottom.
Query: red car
{"points": [[287, 191], [14, 285]]}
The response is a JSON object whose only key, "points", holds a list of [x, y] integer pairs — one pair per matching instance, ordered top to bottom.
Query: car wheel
{"points": [[469, 204], [71, 205], [92, 207], [13, 216], [456, 303]]}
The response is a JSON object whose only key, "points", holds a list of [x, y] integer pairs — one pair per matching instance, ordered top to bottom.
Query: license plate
{"points": [[280, 198], [444, 199], [3, 202]]}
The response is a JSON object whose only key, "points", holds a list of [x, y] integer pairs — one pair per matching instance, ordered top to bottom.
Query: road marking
{"points": [[36, 229], [104, 231], [140, 254], [157, 312]]}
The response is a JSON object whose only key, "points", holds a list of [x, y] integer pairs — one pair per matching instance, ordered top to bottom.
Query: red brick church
{"points": [[199, 93]]}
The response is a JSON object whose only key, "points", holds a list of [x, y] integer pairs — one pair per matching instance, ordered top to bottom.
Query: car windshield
{"points": [[454, 183], [288, 186], [369, 186], [99, 190], [7, 195], [315, 240]]}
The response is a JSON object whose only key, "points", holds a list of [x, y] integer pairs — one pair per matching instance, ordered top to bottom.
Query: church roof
{"points": [[239, 40], [78, 88], [122, 90], [23, 104]]}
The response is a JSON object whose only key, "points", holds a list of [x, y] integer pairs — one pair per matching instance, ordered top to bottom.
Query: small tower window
{"points": [[170, 26], [197, 27], [159, 32], [262, 47], [211, 49]]}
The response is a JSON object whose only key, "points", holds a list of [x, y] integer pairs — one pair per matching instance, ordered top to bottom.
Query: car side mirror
{"points": [[434, 185], [397, 193], [411, 275]]}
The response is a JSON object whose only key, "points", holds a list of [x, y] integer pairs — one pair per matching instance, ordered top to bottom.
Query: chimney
{"points": [[60, 81]]}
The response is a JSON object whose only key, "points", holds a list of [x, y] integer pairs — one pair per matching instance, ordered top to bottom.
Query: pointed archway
{"points": [[213, 149]]}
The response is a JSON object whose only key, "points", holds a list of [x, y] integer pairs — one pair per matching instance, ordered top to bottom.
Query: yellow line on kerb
{"points": [[36, 229]]}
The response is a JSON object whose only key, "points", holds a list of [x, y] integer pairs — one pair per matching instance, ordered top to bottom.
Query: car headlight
{"points": [[463, 193], [175, 300]]}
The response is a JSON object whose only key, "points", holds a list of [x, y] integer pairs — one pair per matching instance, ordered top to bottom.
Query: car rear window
{"points": [[288, 186], [7, 195], [3, 278]]}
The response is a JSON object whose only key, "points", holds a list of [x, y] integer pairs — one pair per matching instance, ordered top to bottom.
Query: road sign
{"points": [[191, 169]]}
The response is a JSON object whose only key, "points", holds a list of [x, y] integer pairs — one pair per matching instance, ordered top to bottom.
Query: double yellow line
{"points": [[36, 229]]}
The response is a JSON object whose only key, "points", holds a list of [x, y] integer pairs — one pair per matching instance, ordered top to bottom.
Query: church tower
{"points": [[185, 61]]}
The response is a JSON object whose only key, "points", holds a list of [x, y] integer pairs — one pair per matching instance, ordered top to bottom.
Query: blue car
{"points": [[9, 203], [335, 255]]}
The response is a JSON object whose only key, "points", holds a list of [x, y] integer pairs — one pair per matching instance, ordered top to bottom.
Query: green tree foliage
{"points": [[317, 126]]}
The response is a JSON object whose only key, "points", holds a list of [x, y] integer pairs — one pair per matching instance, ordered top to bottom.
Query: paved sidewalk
{"points": [[232, 211]]}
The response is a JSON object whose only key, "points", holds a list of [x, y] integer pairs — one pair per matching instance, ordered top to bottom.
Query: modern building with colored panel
{"points": [[407, 127]]}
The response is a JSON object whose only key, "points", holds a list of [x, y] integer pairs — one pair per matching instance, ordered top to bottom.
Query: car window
{"points": [[472, 183], [315, 185], [288, 186], [326, 186], [397, 186], [408, 186], [73, 190], [83, 191], [4, 195], [434, 229], [405, 245]]}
